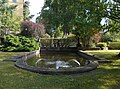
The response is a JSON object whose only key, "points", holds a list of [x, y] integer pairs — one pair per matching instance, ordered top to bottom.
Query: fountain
{"points": [[57, 64]]}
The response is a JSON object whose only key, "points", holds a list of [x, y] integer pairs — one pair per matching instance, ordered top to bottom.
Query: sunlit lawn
{"points": [[4, 55], [111, 55], [107, 76]]}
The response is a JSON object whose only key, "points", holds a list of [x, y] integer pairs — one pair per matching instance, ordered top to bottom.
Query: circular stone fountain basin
{"points": [[56, 63], [67, 70]]}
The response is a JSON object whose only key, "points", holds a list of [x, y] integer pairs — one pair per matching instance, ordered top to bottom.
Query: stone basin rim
{"points": [[89, 67]]}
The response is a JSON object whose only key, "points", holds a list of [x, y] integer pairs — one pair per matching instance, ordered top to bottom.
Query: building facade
{"points": [[19, 8]]}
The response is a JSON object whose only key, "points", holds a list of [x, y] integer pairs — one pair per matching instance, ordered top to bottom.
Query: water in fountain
{"points": [[62, 63], [57, 64]]}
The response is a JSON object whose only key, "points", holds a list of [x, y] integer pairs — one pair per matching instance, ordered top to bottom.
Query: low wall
{"points": [[59, 49], [29, 55], [25, 56], [93, 57], [88, 67], [67, 71]]}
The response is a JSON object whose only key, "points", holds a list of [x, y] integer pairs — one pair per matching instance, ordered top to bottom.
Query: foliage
{"points": [[113, 10], [26, 11], [57, 14], [113, 15], [73, 16], [81, 17], [87, 20], [8, 22], [14, 25], [113, 26], [31, 29], [58, 34], [46, 36], [71, 36], [111, 37], [19, 43], [101, 44], [114, 45]]}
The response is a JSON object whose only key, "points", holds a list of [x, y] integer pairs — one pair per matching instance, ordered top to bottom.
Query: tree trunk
{"points": [[78, 42]]}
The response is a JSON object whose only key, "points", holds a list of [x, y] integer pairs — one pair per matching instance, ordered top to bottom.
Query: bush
{"points": [[31, 29], [11, 40], [19, 43], [101, 44], [114, 45]]}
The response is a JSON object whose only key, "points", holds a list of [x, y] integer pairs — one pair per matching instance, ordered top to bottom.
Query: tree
{"points": [[114, 10], [26, 11], [57, 14], [89, 14], [113, 16], [6, 17], [81, 17], [15, 24], [31, 29], [111, 37]]}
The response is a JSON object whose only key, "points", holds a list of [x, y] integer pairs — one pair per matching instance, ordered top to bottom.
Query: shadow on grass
{"points": [[110, 77], [101, 78]]}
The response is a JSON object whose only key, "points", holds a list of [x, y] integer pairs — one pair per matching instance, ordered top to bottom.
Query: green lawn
{"points": [[4, 55], [108, 55], [107, 76]]}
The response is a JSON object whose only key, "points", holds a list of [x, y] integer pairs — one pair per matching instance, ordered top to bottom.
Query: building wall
{"points": [[19, 8]]}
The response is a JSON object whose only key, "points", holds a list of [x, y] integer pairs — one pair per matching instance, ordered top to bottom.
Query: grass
{"points": [[4, 55], [107, 55], [107, 76]]}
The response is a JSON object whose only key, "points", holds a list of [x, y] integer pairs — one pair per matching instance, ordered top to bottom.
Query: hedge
{"points": [[56, 42], [19, 43], [101, 44], [114, 45]]}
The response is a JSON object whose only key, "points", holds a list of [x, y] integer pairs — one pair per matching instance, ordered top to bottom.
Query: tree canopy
{"points": [[113, 15], [81, 17], [8, 22], [31, 29]]}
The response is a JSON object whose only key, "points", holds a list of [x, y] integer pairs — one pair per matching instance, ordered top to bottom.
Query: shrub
{"points": [[31, 29], [11, 40], [19, 43], [101, 44], [114, 45]]}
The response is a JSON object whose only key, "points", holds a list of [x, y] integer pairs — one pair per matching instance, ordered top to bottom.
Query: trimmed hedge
{"points": [[56, 42], [19, 43], [101, 44], [114, 45]]}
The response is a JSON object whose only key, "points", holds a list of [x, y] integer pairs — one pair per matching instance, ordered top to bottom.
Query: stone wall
{"points": [[24, 56]]}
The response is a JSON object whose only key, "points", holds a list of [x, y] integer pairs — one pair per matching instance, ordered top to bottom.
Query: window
{"points": [[14, 0]]}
